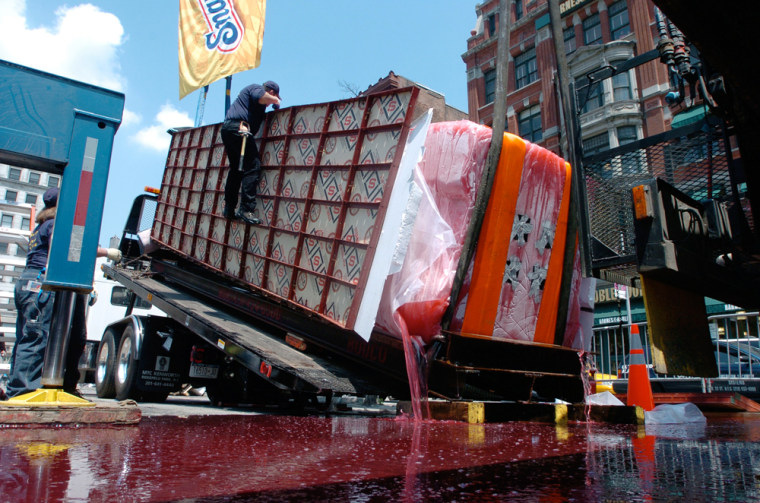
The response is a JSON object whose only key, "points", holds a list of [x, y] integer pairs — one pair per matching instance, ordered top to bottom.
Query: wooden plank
{"points": [[678, 330], [707, 401], [442, 410], [122, 413], [555, 413]]}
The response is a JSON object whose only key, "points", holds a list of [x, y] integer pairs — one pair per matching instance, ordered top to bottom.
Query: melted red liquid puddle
{"points": [[169, 458], [274, 458]]}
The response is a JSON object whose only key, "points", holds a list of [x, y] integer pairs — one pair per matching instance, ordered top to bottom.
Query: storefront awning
{"points": [[690, 116]]}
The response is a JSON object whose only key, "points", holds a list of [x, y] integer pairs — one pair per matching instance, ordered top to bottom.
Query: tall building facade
{"points": [[596, 34]]}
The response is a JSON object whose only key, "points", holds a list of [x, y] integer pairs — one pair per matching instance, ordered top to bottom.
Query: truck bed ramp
{"points": [[263, 353]]}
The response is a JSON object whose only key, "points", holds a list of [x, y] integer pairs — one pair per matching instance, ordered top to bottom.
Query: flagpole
{"points": [[227, 94], [201, 106]]}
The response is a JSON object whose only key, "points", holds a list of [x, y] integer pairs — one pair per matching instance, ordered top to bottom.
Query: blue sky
{"points": [[310, 47]]}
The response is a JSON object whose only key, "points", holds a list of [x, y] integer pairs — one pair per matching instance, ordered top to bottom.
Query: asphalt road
{"points": [[175, 405], [186, 406]]}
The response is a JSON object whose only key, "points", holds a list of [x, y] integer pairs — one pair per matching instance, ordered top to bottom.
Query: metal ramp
{"points": [[261, 352]]}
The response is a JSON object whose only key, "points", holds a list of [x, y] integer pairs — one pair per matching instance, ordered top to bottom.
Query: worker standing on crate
{"points": [[243, 120], [35, 310]]}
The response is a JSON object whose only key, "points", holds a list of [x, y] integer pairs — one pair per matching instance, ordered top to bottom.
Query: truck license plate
{"points": [[204, 371]]}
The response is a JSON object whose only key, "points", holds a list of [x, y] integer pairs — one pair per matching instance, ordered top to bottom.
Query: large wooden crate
{"points": [[327, 175]]}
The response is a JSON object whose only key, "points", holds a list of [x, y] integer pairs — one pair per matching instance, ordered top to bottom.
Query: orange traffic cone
{"points": [[639, 388]]}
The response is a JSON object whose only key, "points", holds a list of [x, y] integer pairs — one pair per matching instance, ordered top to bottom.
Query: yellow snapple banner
{"points": [[218, 38]]}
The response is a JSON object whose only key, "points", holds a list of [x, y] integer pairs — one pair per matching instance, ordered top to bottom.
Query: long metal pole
{"points": [[227, 93], [570, 153], [492, 160], [58, 339]]}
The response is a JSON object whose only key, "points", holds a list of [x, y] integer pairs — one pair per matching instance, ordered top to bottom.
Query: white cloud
{"points": [[83, 45], [130, 118], [155, 136]]}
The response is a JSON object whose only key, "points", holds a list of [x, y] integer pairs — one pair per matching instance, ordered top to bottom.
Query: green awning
{"points": [[691, 116]]}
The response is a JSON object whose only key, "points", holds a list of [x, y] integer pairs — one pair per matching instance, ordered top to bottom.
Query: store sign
{"points": [[568, 6], [612, 294]]}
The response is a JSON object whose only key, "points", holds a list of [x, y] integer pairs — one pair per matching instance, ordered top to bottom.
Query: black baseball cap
{"points": [[270, 84], [50, 197]]}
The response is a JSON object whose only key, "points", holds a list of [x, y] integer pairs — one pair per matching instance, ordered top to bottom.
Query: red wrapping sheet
{"points": [[447, 180]]}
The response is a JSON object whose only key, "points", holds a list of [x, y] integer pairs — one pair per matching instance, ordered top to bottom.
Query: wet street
{"points": [[264, 457]]}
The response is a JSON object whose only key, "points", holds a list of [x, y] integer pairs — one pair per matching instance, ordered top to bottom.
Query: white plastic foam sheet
{"points": [[402, 199], [603, 398], [680, 413]]}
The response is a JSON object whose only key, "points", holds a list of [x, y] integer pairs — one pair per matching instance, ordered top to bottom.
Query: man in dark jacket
{"points": [[244, 118]]}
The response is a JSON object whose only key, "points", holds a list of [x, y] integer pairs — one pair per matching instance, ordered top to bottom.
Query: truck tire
{"points": [[104, 366], [125, 367]]}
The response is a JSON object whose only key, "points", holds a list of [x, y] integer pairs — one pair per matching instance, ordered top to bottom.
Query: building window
{"points": [[518, 9], [491, 20], [619, 24], [592, 30], [569, 35], [526, 70], [490, 81], [621, 87], [590, 96], [530, 124], [627, 134], [596, 144], [631, 162], [14, 174], [34, 178], [53, 181], [11, 195], [31, 199], [6, 221], [25, 223], [3, 248], [20, 251]]}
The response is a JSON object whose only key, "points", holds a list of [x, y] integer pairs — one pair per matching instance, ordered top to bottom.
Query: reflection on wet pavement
{"points": [[275, 458]]}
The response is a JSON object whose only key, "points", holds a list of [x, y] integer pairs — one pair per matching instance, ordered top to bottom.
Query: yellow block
{"points": [[47, 398], [560, 413]]}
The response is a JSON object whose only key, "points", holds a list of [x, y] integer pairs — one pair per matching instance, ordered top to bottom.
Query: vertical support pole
{"points": [[227, 91], [201, 106], [570, 153], [492, 160], [58, 339]]}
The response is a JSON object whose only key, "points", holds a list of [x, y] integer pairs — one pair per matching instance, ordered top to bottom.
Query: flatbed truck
{"points": [[251, 338]]}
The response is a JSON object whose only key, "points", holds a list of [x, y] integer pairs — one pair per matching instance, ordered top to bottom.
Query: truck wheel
{"points": [[126, 366], [104, 367]]}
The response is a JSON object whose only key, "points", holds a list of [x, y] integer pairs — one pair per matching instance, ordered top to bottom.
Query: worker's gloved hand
{"points": [[114, 254]]}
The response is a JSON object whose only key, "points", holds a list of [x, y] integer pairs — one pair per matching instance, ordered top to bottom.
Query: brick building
{"points": [[597, 33]]}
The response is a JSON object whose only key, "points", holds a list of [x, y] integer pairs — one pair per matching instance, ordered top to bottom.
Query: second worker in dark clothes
{"points": [[245, 116], [35, 310]]}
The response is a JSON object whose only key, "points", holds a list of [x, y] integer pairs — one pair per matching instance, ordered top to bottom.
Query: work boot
{"points": [[228, 212], [247, 217], [74, 391]]}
